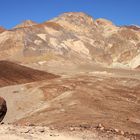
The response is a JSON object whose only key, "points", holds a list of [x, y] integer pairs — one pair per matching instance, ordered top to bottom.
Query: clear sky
{"points": [[121, 12]]}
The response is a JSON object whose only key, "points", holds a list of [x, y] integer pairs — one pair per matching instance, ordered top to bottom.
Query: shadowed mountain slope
{"points": [[11, 73]]}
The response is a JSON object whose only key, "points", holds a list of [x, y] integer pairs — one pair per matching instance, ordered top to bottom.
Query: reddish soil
{"points": [[138, 67], [11, 74], [89, 100]]}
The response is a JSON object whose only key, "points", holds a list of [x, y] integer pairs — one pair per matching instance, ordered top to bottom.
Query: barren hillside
{"points": [[74, 37], [12, 74]]}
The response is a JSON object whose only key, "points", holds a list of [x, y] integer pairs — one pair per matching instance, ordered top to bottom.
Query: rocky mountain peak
{"points": [[75, 14], [77, 18], [103, 22], [26, 23], [2, 29], [74, 36]]}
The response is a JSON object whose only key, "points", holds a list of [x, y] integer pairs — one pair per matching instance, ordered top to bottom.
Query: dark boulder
{"points": [[3, 108]]}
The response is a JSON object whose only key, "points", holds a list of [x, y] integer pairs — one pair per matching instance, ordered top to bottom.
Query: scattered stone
{"points": [[2, 123], [31, 124], [100, 125], [51, 128], [72, 128], [78, 128], [102, 128], [41, 130], [116, 130], [25, 131], [108, 131], [31, 132], [122, 133], [54, 135]]}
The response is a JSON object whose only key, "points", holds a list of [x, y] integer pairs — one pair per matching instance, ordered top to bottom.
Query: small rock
{"points": [[2, 123], [31, 124], [99, 125], [51, 128], [78, 128], [102, 128], [72, 129], [41, 130], [116, 130], [25, 131], [108, 131], [122, 133]]}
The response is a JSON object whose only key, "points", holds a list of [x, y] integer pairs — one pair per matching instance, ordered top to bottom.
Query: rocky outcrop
{"points": [[25, 24], [3, 108]]}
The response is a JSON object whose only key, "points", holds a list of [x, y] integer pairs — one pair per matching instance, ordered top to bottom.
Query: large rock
{"points": [[3, 108]]}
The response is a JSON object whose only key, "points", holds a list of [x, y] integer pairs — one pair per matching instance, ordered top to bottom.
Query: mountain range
{"points": [[73, 37]]}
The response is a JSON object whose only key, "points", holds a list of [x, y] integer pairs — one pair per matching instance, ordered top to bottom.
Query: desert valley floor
{"points": [[85, 103]]}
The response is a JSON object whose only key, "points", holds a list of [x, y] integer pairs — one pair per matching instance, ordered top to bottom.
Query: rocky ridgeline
{"points": [[74, 37]]}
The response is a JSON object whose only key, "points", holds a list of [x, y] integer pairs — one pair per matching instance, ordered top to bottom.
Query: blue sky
{"points": [[121, 12]]}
